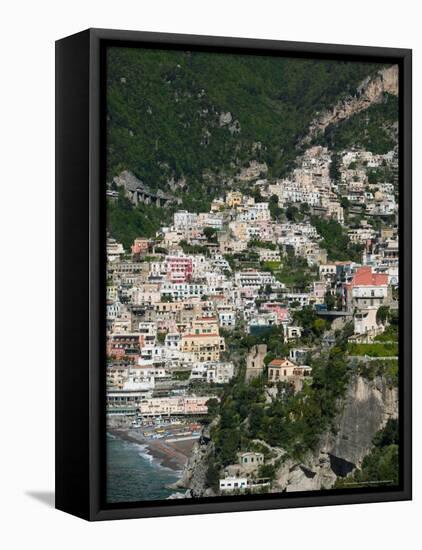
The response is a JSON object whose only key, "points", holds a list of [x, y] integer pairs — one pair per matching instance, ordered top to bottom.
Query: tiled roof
{"points": [[365, 277], [280, 363]]}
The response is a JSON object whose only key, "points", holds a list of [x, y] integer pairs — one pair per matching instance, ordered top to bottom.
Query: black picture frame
{"points": [[80, 268]]}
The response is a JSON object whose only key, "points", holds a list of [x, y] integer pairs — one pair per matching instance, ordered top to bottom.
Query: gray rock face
{"points": [[369, 92], [225, 118], [128, 180], [137, 192], [367, 407], [194, 475]]}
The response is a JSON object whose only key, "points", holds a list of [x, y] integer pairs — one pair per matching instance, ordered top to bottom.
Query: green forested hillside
{"points": [[164, 111], [373, 129], [126, 222]]}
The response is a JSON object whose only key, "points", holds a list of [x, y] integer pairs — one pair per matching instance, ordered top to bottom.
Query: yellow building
{"points": [[234, 199], [204, 325], [203, 340], [205, 347], [283, 370]]}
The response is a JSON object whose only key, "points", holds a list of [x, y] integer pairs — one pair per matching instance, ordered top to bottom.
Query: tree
{"points": [[334, 168], [373, 176], [345, 203], [304, 208], [275, 211], [292, 213], [210, 234], [335, 241], [160, 250], [268, 289], [329, 301], [383, 314], [312, 325], [319, 326], [268, 358], [213, 406], [256, 418], [389, 435], [228, 445], [382, 463], [267, 471], [212, 476]]}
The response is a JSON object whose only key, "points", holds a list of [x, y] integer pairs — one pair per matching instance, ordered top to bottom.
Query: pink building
{"points": [[140, 246], [179, 269], [281, 312], [121, 345], [188, 405]]}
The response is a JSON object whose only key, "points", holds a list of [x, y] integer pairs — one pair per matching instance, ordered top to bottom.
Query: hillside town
{"points": [[194, 308]]}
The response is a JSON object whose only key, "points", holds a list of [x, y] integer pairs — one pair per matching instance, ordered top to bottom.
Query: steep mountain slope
{"points": [[371, 91], [174, 116], [189, 123], [373, 129], [367, 407], [341, 458]]}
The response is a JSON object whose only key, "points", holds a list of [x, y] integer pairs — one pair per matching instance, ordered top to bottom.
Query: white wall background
{"points": [[29, 29]]}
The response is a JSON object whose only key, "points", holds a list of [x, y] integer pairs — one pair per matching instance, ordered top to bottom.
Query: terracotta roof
{"points": [[365, 277], [280, 363]]}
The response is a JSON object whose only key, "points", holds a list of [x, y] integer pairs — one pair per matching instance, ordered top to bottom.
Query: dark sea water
{"points": [[132, 475]]}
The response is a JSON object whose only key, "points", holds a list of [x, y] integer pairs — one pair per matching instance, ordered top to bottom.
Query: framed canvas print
{"points": [[233, 274]]}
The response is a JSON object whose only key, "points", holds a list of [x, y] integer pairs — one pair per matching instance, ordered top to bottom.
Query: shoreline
{"points": [[168, 454]]}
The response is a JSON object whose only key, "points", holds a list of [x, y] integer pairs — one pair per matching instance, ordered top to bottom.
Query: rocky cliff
{"points": [[370, 91], [137, 192], [366, 408], [194, 476]]}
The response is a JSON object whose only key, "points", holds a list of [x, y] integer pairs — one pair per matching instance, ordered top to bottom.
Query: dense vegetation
{"points": [[163, 110], [373, 129], [125, 223], [336, 242], [295, 272], [240, 341], [385, 368], [293, 422], [382, 464]]}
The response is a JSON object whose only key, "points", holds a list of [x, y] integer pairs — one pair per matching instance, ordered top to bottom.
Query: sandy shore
{"points": [[173, 455]]}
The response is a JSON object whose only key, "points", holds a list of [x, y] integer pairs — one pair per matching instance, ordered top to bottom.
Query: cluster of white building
{"points": [[311, 183], [377, 198], [170, 299]]}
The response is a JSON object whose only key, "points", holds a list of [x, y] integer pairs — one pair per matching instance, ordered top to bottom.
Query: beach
{"points": [[169, 454]]}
